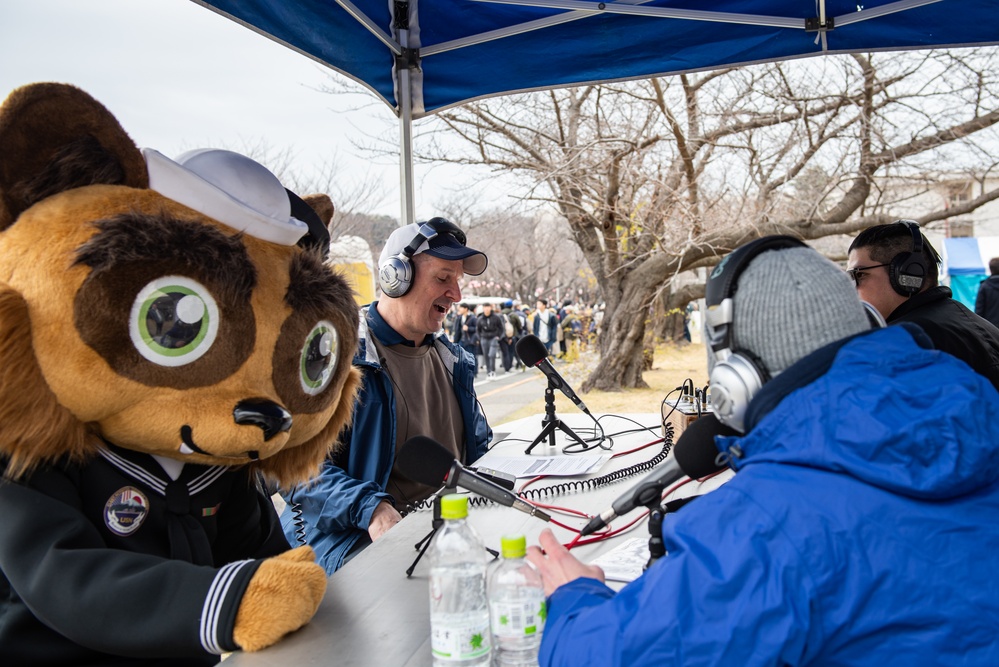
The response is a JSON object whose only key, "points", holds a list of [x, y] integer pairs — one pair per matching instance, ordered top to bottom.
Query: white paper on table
{"points": [[556, 466], [626, 561]]}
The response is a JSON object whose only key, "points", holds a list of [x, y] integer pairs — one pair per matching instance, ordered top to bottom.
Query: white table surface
{"points": [[373, 615]]}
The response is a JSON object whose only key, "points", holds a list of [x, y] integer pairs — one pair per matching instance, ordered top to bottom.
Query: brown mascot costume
{"points": [[169, 346]]}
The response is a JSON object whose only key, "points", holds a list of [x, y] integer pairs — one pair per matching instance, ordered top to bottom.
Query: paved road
{"points": [[507, 393]]}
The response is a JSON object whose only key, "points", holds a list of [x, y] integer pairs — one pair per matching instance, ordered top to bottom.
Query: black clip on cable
{"points": [[552, 422]]}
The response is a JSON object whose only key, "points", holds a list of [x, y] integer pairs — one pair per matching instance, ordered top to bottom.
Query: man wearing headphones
{"points": [[895, 270], [414, 382], [859, 528]]}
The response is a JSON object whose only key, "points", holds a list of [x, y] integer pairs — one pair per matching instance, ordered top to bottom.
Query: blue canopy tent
{"points": [[422, 56], [966, 261]]}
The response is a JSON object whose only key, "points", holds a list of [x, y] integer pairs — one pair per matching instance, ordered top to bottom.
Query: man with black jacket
{"points": [[895, 270], [987, 302], [490, 328], [463, 332]]}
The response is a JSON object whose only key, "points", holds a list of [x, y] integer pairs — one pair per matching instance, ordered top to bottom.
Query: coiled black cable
{"points": [[596, 482], [572, 485], [298, 521]]}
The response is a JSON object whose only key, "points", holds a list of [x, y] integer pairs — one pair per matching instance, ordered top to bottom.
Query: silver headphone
{"points": [[395, 274], [738, 375]]}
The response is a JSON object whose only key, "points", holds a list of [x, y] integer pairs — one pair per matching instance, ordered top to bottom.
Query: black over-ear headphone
{"points": [[907, 270], [395, 274], [737, 375]]}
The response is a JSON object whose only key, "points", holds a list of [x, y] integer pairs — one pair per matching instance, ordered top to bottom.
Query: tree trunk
{"points": [[668, 321], [672, 328], [623, 333], [622, 344], [623, 357]]}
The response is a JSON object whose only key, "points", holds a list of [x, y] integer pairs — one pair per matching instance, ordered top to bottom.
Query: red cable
{"points": [[612, 533], [599, 538]]}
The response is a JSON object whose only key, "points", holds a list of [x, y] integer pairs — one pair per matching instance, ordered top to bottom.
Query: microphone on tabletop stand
{"points": [[532, 352], [694, 456], [426, 461]]}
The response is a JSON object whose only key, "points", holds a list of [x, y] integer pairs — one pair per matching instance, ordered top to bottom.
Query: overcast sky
{"points": [[178, 76]]}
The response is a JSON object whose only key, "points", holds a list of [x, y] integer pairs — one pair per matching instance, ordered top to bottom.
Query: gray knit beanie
{"points": [[789, 303]]}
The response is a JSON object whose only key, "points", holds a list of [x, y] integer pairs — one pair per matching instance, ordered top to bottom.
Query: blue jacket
{"points": [[336, 507], [860, 529]]}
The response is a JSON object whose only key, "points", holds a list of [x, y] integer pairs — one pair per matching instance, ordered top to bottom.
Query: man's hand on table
{"points": [[384, 517], [556, 565]]}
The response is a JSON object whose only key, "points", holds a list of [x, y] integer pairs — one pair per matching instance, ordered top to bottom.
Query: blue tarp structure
{"points": [[466, 49], [422, 56], [966, 261]]}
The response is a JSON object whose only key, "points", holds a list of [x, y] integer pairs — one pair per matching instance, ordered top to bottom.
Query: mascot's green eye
{"points": [[174, 321], [318, 360]]}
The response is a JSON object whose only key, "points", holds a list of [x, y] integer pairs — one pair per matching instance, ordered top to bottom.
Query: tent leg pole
{"points": [[405, 86], [406, 162]]}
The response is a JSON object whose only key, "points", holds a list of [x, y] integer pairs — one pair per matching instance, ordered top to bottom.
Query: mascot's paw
{"points": [[283, 595]]}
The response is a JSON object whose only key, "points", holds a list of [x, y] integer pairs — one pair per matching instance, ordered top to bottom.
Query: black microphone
{"points": [[533, 352], [694, 456], [426, 461], [506, 480]]}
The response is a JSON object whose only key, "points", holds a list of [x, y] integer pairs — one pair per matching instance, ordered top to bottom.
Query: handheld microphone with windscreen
{"points": [[426, 461]]}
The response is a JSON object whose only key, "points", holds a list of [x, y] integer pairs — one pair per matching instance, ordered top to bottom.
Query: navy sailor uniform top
{"points": [[157, 566]]}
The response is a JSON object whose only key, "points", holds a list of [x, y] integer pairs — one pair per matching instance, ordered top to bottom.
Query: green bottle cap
{"points": [[454, 506], [513, 546]]}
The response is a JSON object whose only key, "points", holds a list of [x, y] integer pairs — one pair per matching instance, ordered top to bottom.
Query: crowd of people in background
{"points": [[490, 331]]}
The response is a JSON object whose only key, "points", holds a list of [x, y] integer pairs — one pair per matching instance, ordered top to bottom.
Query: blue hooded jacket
{"points": [[336, 507], [860, 529]]}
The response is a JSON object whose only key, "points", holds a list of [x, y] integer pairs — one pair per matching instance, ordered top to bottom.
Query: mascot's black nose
{"points": [[268, 415]]}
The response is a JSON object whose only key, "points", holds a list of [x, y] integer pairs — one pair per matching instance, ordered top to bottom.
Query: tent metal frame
{"points": [[402, 41], [408, 56]]}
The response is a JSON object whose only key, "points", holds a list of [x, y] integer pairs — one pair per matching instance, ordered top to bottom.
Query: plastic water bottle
{"points": [[516, 606], [459, 610]]}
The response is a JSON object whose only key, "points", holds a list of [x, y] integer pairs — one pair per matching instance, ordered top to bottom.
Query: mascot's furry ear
{"points": [[55, 137], [323, 206]]}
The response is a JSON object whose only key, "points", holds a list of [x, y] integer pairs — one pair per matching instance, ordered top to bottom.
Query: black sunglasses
{"points": [[855, 272]]}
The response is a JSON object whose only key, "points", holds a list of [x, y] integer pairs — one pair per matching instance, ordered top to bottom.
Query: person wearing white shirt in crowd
{"points": [[545, 324]]}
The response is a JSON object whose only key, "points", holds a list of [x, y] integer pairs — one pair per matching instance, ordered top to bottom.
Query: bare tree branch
{"points": [[656, 178]]}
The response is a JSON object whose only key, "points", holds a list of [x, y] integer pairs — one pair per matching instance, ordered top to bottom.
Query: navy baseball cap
{"points": [[445, 245]]}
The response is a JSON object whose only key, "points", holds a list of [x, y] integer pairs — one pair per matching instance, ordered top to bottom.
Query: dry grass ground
{"points": [[671, 366]]}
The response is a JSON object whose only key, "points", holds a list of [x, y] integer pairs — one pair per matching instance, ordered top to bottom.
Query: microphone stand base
{"points": [[552, 423], [436, 524], [656, 547]]}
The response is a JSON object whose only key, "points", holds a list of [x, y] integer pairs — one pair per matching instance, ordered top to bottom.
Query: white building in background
{"points": [[947, 190]]}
